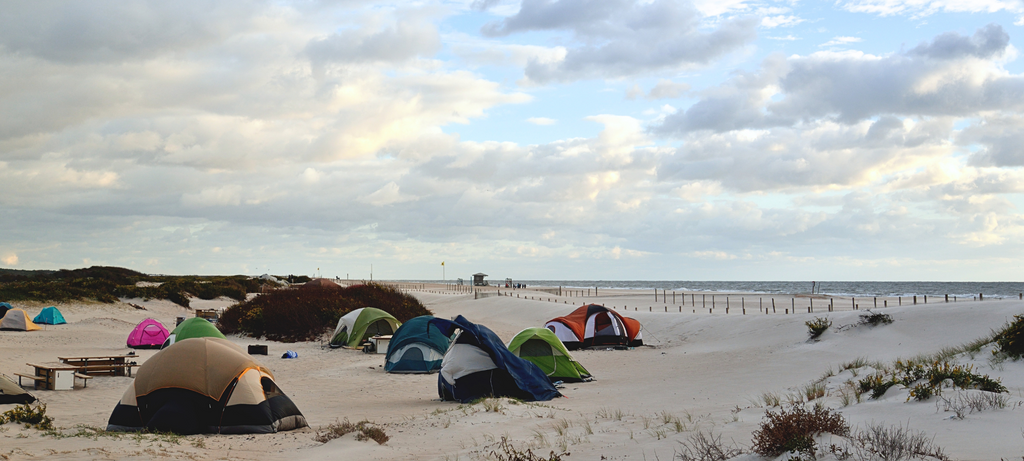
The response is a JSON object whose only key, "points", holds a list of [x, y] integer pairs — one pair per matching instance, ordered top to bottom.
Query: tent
{"points": [[320, 284], [4, 307], [50, 316], [17, 319], [595, 325], [195, 327], [354, 327], [148, 334], [416, 347], [542, 347], [479, 365], [204, 385], [11, 392]]}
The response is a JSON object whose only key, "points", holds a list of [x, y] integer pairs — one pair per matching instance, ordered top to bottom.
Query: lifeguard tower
{"points": [[478, 279]]}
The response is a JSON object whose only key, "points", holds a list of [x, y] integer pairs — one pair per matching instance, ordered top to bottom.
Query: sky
{"points": [[535, 139]]}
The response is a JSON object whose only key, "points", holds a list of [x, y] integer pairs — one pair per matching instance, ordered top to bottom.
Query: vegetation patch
{"points": [[107, 284], [291, 315], [875, 319], [818, 326], [1010, 340], [924, 381], [32, 417], [794, 430], [365, 431], [507, 452]]}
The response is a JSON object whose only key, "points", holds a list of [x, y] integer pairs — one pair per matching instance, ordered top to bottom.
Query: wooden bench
{"points": [[84, 377], [35, 379]]}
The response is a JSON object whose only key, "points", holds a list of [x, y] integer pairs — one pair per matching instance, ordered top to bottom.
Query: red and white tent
{"points": [[595, 325]]}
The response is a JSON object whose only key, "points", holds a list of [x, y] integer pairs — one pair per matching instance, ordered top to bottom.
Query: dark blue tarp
{"points": [[532, 383]]}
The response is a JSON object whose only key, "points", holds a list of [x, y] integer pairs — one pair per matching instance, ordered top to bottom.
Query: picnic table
{"points": [[113, 365], [54, 376]]}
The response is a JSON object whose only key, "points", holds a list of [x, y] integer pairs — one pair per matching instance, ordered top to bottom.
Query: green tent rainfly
{"points": [[362, 323], [195, 327], [543, 348]]}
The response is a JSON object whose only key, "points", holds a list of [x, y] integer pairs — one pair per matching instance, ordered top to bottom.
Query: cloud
{"points": [[921, 8], [771, 22], [110, 31], [622, 37], [841, 41], [389, 43], [951, 76], [666, 89], [541, 121], [1000, 139], [10, 260]]}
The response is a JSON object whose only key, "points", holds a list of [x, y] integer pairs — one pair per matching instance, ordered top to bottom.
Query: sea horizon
{"points": [[826, 287]]}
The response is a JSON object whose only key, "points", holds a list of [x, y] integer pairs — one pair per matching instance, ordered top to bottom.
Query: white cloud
{"points": [[920, 8], [771, 22], [837, 41], [666, 89], [541, 121], [10, 259]]}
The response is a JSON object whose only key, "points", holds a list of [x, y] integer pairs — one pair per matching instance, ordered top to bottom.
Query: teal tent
{"points": [[4, 307], [50, 316], [416, 347]]}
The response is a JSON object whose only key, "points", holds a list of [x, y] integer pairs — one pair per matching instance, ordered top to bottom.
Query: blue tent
{"points": [[4, 307], [50, 316], [416, 347], [479, 365]]}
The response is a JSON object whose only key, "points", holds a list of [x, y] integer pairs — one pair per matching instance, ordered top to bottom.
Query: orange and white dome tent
{"points": [[18, 319], [594, 325], [204, 385]]}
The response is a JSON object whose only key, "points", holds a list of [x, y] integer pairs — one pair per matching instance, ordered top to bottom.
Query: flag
{"points": [[442, 263]]}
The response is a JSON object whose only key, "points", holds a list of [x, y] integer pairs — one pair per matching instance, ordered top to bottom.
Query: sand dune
{"points": [[698, 371]]}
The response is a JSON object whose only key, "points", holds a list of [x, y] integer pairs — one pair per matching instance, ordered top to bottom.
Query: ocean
{"points": [[834, 288]]}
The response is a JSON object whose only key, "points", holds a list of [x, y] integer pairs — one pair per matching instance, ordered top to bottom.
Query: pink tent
{"points": [[148, 334]]}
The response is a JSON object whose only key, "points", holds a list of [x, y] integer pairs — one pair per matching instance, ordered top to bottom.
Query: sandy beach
{"points": [[698, 371]]}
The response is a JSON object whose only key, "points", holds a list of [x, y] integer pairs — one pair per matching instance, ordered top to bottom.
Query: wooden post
{"points": [[981, 296], [915, 299], [703, 301], [773, 305]]}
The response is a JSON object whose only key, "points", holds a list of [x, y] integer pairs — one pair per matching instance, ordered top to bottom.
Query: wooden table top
{"points": [[99, 357], [54, 366]]}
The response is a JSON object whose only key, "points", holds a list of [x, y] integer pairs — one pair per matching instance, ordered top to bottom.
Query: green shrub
{"points": [[875, 318], [818, 326], [1010, 339], [877, 384], [31, 417], [795, 429]]}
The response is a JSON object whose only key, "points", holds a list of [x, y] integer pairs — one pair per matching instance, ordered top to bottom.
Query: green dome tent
{"points": [[50, 316], [362, 323], [195, 327], [543, 348]]}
